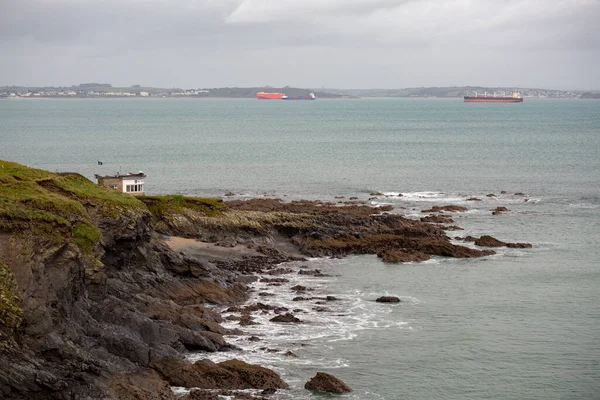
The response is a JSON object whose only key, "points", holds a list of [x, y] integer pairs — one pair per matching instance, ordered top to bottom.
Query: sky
{"points": [[303, 43]]}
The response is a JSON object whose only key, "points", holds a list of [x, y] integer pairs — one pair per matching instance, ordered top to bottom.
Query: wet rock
{"points": [[503, 192], [229, 194], [376, 194], [519, 194], [490, 195], [339, 197], [353, 198], [474, 199], [450, 208], [499, 210], [438, 219], [452, 228], [489, 241], [446, 249], [402, 255], [280, 271], [316, 272], [274, 280], [300, 288], [266, 294], [300, 298], [331, 298], [388, 299], [321, 309], [288, 317], [246, 320], [254, 339], [290, 353], [205, 374], [324, 382], [145, 385], [199, 394]]}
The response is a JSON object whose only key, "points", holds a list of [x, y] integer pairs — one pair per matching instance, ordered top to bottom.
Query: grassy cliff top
{"points": [[54, 204], [58, 205]]}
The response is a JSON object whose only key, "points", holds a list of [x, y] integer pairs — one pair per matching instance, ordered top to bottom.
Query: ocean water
{"points": [[522, 324]]}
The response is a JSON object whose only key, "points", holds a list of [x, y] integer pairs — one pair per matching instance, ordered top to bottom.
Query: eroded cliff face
{"points": [[100, 294], [95, 305]]}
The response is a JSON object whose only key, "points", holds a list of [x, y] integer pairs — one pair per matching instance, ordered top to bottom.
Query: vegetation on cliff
{"points": [[55, 205], [10, 311]]}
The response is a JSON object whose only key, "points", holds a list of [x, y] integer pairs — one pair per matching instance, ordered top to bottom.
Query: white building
{"points": [[129, 183]]}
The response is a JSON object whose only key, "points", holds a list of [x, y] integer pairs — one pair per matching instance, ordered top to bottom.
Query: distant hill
{"points": [[107, 90], [236, 92], [454, 92], [591, 95]]}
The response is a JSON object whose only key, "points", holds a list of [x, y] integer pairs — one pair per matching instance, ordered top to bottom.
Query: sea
{"points": [[521, 324]]}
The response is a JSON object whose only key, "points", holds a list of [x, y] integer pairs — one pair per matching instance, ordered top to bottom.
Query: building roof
{"points": [[129, 175]]}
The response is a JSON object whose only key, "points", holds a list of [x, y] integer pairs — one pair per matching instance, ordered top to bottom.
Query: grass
{"points": [[55, 205], [163, 206], [86, 236], [11, 313]]}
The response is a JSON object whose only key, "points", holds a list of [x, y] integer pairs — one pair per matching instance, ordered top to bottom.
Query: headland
{"points": [[104, 295]]}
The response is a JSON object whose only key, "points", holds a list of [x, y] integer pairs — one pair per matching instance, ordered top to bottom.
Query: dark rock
{"points": [[503, 192], [519, 194], [490, 195], [474, 199], [450, 208], [499, 210], [438, 219], [452, 228], [489, 241], [446, 249], [402, 255], [280, 271], [277, 280], [300, 288], [266, 294], [300, 298], [331, 298], [388, 299], [285, 318], [246, 320], [254, 339], [290, 353], [205, 374], [323, 382], [145, 385], [199, 394]]}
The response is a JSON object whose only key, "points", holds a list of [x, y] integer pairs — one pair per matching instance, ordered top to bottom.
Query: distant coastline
{"points": [[105, 90]]}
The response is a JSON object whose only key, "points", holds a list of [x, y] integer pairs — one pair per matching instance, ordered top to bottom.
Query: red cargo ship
{"points": [[269, 96], [515, 98]]}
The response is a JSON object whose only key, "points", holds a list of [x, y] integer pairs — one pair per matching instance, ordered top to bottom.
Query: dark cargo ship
{"points": [[515, 98]]}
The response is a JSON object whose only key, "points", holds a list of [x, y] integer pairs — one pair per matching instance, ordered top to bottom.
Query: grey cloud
{"points": [[300, 42]]}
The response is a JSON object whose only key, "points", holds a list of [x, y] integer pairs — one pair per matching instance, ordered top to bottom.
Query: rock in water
{"points": [[490, 241], [388, 299], [287, 317], [323, 382]]}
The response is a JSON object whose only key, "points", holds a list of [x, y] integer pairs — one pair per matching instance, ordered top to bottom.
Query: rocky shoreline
{"points": [[103, 294]]}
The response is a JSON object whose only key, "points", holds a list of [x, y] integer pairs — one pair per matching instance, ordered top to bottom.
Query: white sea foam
{"points": [[343, 320]]}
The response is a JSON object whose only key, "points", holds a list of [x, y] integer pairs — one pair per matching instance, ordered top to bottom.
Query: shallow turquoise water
{"points": [[523, 324]]}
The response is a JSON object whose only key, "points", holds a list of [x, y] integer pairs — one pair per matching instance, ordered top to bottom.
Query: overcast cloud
{"points": [[305, 43]]}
